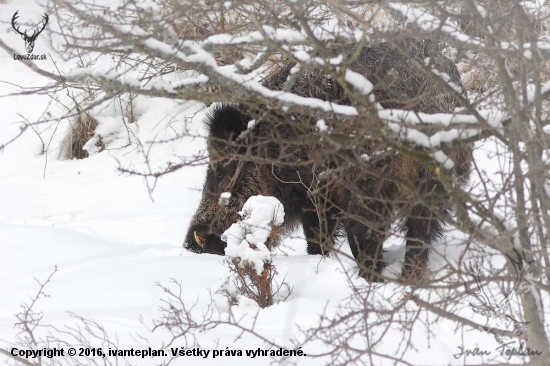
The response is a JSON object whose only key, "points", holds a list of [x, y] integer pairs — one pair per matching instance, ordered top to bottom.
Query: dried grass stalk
{"points": [[83, 129]]}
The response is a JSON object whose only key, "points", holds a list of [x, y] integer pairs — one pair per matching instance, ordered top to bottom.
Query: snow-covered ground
{"points": [[111, 241]]}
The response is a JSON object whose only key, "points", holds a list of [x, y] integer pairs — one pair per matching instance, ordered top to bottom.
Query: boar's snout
{"points": [[199, 239]]}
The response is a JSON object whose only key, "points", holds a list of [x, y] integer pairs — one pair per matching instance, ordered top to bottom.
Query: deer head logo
{"points": [[29, 40]]}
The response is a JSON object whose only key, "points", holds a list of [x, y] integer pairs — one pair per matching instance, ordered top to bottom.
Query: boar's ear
{"points": [[226, 122]]}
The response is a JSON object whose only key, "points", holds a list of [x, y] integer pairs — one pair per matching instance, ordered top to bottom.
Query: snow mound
{"points": [[246, 239]]}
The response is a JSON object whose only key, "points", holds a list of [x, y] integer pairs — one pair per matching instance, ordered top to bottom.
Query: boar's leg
{"points": [[424, 228], [319, 232], [367, 243]]}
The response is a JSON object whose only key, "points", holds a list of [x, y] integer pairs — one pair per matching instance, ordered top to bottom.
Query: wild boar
{"points": [[354, 187]]}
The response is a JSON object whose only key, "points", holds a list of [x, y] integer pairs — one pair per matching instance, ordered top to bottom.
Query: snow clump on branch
{"points": [[247, 238]]}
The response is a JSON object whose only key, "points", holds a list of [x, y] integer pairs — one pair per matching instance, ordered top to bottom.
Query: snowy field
{"points": [[111, 241]]}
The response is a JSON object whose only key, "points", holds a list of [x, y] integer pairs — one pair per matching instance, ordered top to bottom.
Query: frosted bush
{"points": [[247, 238], [249, 244]]}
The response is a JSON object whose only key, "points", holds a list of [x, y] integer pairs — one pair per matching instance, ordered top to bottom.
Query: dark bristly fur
{"points": [[329, 188]]}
